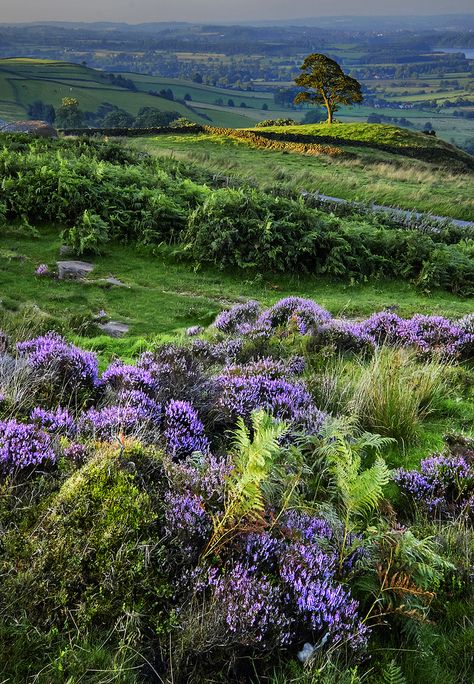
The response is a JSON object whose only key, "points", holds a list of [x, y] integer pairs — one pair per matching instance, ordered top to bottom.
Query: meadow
{"points": [[269, 478]]}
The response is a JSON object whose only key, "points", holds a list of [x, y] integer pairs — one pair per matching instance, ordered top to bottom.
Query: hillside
{"points": [[22, 81], [382, 137], [383, 164], [277, 452]]}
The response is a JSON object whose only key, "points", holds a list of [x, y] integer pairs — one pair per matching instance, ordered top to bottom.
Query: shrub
{"points": [[276, 122], [251, 230], [88, 235], [302, 314], [238, 317], [61, 368], [240, 395], [444, 486], [90, 553]]}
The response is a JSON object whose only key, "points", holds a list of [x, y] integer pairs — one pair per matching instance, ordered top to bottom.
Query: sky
{"points": [[136, 11]]}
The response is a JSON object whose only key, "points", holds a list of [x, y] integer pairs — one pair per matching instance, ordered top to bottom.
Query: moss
{"points": [[93, 560]]}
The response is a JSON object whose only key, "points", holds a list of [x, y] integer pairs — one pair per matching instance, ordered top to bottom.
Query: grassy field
{"points": [[22, 81], [373, 176], [162, 295]]}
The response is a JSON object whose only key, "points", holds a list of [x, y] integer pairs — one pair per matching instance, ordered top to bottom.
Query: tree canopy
{"points": [[326, 83], [68, 114]]}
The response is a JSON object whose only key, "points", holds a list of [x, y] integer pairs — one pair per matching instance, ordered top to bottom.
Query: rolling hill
{"points": [[22, 81]]}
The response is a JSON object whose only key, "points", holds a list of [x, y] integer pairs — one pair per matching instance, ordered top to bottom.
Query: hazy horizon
{"points": [[138, 11]]}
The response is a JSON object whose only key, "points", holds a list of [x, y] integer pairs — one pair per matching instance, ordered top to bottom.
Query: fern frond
{"points": [[255, 455], [366, 489], [393, 674]]}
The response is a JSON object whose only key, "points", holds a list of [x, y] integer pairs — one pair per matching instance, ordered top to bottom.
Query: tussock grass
{"points": [[395, 392]]}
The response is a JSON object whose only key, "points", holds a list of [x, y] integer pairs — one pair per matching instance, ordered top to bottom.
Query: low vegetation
{"points": [[364, 174], [96, 198], [250, 486], [196, 515]]}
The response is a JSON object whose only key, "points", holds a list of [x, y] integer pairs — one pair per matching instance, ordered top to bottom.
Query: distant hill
{"points": [[24, 80]]}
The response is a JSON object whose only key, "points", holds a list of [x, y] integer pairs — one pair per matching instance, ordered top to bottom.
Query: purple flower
{"points": [[42, 270], [303, 314], [237, 318], [383, 327], [194, 330], [434, 334], [50, 355], [121, 377], [240, 396], [136, 414], [59, 421], [184, 431], [23, 445], [203, 475], [444, 485], [186, 522], [277, 586]]}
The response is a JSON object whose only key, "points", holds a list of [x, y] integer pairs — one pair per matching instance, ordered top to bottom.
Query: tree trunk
{"points": [[330, 114]]}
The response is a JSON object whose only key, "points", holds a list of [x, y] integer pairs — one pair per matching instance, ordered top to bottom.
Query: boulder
{"points": [[41, 129], [74, 270]]}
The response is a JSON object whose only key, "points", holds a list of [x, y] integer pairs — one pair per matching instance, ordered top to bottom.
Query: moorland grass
{"points": [[371, 176]]}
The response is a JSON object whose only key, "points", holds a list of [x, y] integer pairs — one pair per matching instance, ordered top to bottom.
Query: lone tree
{"points": [[327, 84], [68, 114]]}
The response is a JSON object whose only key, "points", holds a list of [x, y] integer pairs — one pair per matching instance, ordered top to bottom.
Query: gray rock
{"points": [[41, 129], [74, 269], [114, 328]]}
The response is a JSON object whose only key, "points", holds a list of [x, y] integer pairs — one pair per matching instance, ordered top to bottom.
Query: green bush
{"points": [[248, 229], [88, 235]]}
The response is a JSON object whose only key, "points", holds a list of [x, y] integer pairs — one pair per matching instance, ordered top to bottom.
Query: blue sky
{"points": [[135, 11]]}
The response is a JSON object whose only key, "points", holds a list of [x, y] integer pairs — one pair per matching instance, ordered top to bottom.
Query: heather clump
{"points": [[302, 315], [237, 318], [435, 334], [344, 337], [60, 367], [121, 377], [240, 395], [58, 421], [184, 431], [23, 445], [444, 485]]}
